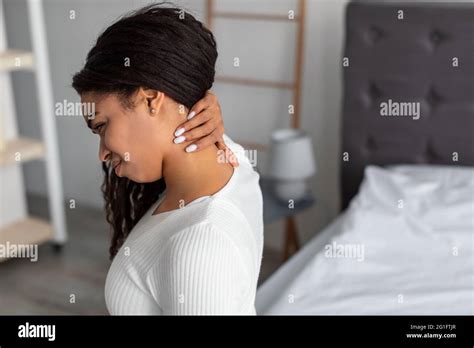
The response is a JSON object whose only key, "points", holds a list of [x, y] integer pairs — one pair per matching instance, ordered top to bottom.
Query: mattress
{"points": [[404, 246]]}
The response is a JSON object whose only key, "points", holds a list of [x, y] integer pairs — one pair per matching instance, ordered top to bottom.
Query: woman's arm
{"points": [[205, 125]]}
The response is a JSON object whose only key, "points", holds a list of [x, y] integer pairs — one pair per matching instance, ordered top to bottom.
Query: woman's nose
{"points": [[104, 153]]}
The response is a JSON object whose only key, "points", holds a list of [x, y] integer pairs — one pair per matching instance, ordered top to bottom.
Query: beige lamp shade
{"points": [[291, 155]]}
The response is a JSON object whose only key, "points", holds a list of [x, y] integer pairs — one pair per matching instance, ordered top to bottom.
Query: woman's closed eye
{"points": [[98, 128]]}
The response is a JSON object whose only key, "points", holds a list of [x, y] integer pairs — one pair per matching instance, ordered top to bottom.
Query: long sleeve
{"points": [[200, 272]]}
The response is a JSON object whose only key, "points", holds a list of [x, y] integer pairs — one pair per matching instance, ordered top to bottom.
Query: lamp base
{"points": [[290, 189]]}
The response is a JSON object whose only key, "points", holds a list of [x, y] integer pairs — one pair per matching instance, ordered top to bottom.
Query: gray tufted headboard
{"points": [[409, 60]]}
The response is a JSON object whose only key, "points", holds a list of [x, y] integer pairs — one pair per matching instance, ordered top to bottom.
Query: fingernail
{"points": [[191, 115], [179, 132], [179, 139], [191, 148]]}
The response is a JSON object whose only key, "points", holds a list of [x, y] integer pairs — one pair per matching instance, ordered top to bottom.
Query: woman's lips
{"points": [[117, 167]]}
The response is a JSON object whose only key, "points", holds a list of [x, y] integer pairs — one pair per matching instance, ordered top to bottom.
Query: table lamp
{"points": [[291, 163]]}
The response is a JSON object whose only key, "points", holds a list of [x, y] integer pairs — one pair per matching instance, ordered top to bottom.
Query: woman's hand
{"points": [[206, 126]]}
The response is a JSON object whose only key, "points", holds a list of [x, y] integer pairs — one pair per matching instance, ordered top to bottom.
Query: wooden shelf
{"points": [[254, 16], [11, 60], [253, 82], [294, 86], [29, 149], [16, 150], [27, 231]]}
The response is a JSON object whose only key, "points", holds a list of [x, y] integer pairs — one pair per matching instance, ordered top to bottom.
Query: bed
{"points": [[403, 243]]}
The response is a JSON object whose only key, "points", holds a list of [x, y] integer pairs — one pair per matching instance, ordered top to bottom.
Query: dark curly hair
{"points": [[167, 50]]}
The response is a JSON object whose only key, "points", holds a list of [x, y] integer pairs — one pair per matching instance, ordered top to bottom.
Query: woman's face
{"points": [[134, 140]]}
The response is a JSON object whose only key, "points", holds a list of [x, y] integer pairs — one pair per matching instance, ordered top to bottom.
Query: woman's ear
{"points": [[152, 98]]}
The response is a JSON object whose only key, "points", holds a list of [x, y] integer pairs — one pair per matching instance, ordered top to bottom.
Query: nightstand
{"points": [[274, 209]]}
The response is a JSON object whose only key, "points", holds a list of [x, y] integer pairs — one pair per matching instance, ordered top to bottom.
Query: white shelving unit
{"points": [[16, 227]]}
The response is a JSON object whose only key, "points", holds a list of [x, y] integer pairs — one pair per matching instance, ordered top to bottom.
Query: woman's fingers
{"points": [[208, 100], [207, 112], [204, 125], [187, 127], [202, 131], [207, 137], [204, 142]]}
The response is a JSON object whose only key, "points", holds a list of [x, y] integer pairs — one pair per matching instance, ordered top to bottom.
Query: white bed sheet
{"points": [[416, 226]]}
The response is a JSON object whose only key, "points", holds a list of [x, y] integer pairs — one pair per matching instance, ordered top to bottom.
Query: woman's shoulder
{"points": [[221, 223], [221, 226], [205, 232], [205, 242]]}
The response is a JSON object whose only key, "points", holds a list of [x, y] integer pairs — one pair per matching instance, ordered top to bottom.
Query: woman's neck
{"points": [[189, 176]]}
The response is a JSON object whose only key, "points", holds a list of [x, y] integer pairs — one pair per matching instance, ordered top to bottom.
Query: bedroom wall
{"points": [[250, 113]]}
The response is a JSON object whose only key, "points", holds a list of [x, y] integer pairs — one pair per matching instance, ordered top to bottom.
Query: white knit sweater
{"points": [[203, 258]]}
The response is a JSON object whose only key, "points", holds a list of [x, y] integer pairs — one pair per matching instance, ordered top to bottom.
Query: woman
{"points": [[187, 225]]}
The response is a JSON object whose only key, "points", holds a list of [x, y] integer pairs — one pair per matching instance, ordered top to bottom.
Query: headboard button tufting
{"points": [[374, 34], [437, 37], [374, 93], [433, 98], [370, 145], [430, 155]]}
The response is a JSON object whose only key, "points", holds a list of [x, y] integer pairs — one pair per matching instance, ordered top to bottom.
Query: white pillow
{"points": [[437, 196]]}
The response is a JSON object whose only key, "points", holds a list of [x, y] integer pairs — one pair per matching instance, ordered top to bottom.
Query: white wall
{"points": [[265, 50]]}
